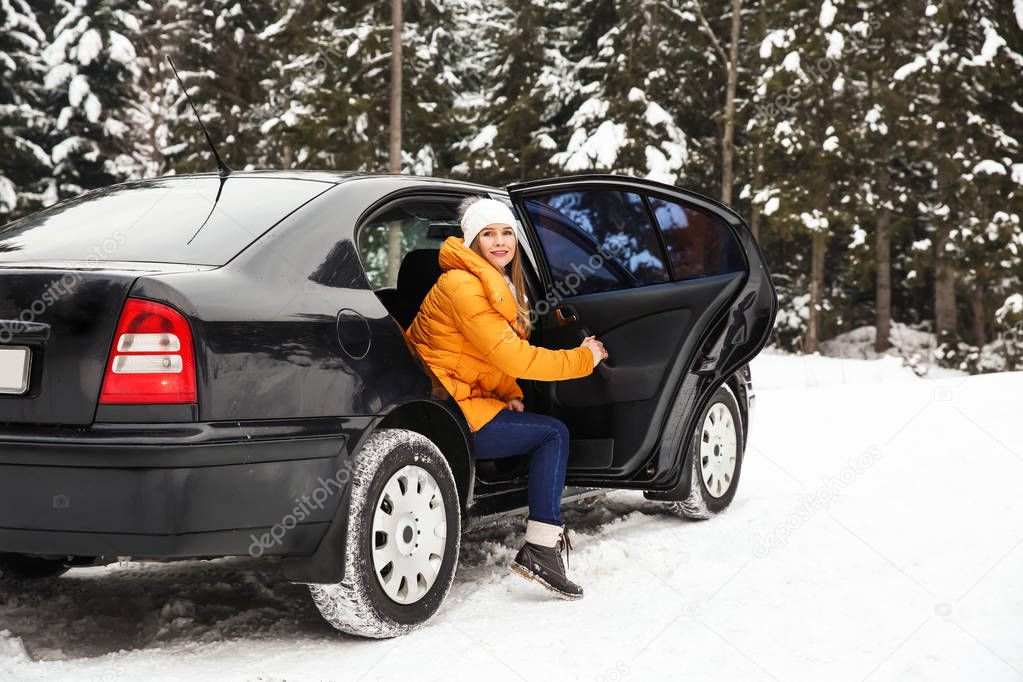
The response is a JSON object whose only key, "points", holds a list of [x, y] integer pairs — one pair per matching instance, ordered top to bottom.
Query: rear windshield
{"points": [[166, 220]]}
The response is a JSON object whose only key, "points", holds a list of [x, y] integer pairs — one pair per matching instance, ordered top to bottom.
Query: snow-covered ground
{"points": [[877, 534]]}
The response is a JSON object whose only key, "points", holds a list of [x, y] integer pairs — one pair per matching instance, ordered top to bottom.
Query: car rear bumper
{"points": [[174, 490]]}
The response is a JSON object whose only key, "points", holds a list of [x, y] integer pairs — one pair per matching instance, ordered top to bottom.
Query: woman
{"points": [[471, 330]]}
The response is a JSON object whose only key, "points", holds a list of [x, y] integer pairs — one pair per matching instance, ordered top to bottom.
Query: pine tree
{"points": [[227, 69], [91, 72], [510, 91], [156, 115], [339, 115], [619, 119], [879, 135], [970, 157], [26, 164], [806, 169]]}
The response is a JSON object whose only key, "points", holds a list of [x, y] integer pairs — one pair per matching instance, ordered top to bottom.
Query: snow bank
{"points": [[859, 343], [772, 370]]}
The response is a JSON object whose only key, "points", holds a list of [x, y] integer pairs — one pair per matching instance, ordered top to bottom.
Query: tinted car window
{"points": [[167, 220], [597, 240], [699, 244], [566, 248]]}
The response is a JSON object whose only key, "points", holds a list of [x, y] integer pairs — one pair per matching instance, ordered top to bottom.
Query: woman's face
{"points": [[497, 242]]}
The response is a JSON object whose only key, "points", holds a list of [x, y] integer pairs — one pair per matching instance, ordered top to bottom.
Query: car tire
{"points": [[715, 458], [403, 494], [20, 567]]}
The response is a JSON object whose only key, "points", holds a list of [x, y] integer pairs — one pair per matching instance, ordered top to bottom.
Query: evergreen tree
{"points": [[227, 69], [91, 70], [524, 87], [156, 115], [340, 115], [620, 119], [879, 137], [876, 145], [969, 155], [26, 164], [806, 170]]}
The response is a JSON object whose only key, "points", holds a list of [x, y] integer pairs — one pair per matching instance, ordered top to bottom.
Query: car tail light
{"points": [[151, 361]]}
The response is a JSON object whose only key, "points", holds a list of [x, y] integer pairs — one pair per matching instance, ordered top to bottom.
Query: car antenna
{"points": [[221, 166]]}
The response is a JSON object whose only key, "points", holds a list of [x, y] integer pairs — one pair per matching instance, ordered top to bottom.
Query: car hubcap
{"points": [[718, 450], [409, 534]]}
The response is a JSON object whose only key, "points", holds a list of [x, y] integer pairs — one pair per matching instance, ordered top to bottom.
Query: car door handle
{"points": [[565, 316], [606, 369]]}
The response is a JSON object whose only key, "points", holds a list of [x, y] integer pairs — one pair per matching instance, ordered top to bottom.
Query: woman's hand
{"points": [[596, 347], [516, 405]]}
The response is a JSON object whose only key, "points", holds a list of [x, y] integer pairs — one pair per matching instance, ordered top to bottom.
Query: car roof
{"points": [[333, 176], [338, 176]]}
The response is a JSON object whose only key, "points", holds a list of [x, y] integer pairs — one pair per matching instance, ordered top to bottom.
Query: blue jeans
{"points": [[522, 433]]}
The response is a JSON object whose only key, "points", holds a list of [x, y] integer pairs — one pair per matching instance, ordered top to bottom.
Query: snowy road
{"points": [[877, 534]]}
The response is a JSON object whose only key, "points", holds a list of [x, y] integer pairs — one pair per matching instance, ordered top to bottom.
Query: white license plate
{"points": [[14, 369]]}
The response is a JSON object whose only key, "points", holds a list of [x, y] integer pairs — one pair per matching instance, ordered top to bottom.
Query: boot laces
{"points": [[566, 543]]}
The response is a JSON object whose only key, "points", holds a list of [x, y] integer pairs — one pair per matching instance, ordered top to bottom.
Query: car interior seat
{"points": [[419, 271]]}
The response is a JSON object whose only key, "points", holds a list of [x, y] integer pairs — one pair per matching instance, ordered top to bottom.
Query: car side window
{"points": [[386, 240], [596, 240], [699, 244]]}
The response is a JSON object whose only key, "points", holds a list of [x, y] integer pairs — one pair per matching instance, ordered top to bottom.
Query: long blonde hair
{"points": [[518, 280]]}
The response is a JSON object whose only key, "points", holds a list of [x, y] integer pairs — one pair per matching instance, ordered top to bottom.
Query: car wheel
{"points": [[715, 458], [401, 549], [21, 567]]}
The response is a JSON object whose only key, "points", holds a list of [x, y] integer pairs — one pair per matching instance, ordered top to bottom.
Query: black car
{"points": [[206, 365]]}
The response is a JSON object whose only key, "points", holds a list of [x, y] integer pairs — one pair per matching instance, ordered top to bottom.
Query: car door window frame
{"points": [[431, 194], [695, 206], [372, 216], [532, 270], [545, 270]]}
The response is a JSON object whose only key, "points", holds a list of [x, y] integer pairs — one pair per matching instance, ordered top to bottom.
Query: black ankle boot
{"points": [[544, 565]]}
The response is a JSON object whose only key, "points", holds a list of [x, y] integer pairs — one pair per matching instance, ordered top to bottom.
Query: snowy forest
{"points": [[873, 147]]}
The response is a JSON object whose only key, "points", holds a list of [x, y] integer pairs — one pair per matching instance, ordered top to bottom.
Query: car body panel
{"points": [[174, 490]]}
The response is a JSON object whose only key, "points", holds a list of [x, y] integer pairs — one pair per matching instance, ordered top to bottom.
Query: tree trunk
{"points": [[729, 129], [395, 137], [758, 151], [819, 248], [394, 253], [883, 266], [883, 283], [944, 293], [977, 307], [979, 334]]}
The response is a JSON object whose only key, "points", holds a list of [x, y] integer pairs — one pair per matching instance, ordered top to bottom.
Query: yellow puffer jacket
{"points": [[464, 333]]}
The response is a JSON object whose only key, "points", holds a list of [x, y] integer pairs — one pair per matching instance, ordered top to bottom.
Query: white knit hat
{"points": [[483, 213]]}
